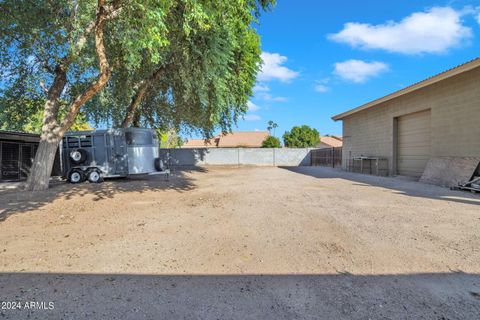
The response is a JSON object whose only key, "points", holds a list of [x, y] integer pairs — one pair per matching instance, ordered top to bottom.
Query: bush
{"points": [[301, 137], [271, 142]]}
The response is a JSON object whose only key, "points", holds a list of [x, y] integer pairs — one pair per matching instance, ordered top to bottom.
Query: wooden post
{"points": [[333, 157]]}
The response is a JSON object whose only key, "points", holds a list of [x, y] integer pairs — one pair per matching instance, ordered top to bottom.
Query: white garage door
{"points": [[413, 143]]}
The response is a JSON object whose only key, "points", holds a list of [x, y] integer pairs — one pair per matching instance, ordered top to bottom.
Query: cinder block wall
{"points": [[455, 120], [238, 156]]}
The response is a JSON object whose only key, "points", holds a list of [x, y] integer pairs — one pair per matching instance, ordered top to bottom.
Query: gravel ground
{"points": [[242, 243]]}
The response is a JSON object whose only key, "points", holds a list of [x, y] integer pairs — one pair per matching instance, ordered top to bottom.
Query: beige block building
{"points": [[437, 117]]}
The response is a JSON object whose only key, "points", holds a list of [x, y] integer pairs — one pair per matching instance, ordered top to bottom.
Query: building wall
{"points": [[455, 121]]}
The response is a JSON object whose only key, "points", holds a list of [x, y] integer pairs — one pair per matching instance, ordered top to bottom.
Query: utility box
{"points": [[94, 155]]}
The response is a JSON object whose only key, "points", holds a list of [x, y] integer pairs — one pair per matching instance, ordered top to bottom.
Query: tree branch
{"points": [[111, 11], [101, 81], [139, 95], [50, 113]]}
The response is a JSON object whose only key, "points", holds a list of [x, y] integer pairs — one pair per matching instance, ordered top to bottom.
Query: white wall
{"points": [[238, 156]]}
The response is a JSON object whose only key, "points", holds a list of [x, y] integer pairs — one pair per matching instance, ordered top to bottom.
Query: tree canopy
{"points": [[197, 59], [169, 64], [203, 77], [27, 116], [301, 137]]}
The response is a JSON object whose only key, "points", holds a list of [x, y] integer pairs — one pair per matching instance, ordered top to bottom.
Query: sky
{"points": [[322, 58]]}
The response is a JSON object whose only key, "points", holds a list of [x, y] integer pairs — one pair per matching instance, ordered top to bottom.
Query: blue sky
{"points": [[324, 57]]}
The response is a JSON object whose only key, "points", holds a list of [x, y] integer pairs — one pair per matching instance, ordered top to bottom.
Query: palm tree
{"points": [[272, 125]]}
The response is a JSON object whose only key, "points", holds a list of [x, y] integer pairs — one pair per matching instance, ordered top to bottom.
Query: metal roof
{"points": [[467, 66], [19, 136]]}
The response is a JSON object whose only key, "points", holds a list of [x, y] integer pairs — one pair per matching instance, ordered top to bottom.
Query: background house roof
{"points": [[251, 139], [330, 142], [199, 143]]}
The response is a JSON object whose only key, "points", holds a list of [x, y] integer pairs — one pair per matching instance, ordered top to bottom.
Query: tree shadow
{"points": [[178, 157], [400, 185], [13, 201], [453, 295]]}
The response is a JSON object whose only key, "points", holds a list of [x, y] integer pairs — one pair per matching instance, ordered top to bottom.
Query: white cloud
{"points": [[473, 11], [432, 31], [273, 69], [359, 71], [321, 85], [261, 88], [321, 88], [262, 91], [268, 97], [278, 99], [252, 106], [252, 117]]}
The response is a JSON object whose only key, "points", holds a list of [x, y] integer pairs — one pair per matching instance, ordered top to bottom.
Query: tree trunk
{"points": [[103, 77], [132, 108], [132, 114], [136, 119], [52, 131], [42, 164], [41, 170]]}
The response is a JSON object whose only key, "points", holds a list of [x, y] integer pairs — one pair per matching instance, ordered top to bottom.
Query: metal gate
{"points": [[329, 157], [15, 160]]}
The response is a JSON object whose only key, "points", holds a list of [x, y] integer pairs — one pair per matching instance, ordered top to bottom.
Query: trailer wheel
{"points": [[78, 156], [76, 176], [94, 176]]}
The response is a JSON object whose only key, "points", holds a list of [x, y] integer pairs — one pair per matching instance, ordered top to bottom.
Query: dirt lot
{"points": [[268, 243]]}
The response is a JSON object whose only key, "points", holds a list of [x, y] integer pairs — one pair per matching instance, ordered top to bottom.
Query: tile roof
{"points": [[249, 139], [252, 139], [331, 141], [199, 143]]}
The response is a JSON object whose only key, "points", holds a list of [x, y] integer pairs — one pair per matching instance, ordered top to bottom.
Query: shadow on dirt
{"points": [[399, 185], [19, 201], [324, 296]]}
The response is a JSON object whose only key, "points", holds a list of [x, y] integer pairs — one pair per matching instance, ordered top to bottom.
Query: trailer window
{"points": [[139, 138]]}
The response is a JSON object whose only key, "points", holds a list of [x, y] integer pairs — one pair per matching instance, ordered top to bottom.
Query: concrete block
{"points": [[222, 156], [237, 156], [256, 156], [185, 157], [292, 157], [449, 171]]}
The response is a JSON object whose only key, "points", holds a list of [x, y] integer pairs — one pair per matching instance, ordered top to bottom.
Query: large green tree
{"points": [[56, 51], [169, 63], [203, 78], [27, 116], [301, 137]]}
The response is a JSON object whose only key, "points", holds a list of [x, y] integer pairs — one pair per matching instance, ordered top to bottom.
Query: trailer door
{"points": [[120, 158]]}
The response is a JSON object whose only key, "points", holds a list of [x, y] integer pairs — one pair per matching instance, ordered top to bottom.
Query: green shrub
{"points": [[271, 142]]}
